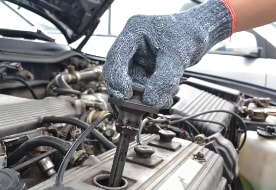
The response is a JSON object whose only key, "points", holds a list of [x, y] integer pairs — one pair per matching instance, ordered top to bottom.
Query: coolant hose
{"points": [[62, 81], [96, 134], [59, 144]]}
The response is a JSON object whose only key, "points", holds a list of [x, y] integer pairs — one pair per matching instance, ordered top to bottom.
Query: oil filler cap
{"points": [[267, 132], [10, 180]]}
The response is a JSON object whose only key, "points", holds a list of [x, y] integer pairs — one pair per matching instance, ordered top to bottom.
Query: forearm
{"points": [[253, 13]]}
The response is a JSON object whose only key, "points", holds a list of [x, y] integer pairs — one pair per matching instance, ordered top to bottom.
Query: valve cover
{"points": [[185, 166]]}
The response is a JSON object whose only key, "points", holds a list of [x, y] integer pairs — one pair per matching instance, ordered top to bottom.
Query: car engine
{"points": [[49, 98]]}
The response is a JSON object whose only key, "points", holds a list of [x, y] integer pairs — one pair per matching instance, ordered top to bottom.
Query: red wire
{"points": [[233, 14]]}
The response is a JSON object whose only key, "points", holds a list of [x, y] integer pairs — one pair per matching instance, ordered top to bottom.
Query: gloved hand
{"points": [[153, 51]]}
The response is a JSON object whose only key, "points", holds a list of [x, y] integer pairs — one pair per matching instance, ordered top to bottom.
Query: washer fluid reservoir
{"points": [[257, 160]]}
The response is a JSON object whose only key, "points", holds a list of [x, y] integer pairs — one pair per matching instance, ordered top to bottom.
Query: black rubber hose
{"points": [[61, 81], [24, 83], [62, 86], [67, 91], [96, 134], [61, 145], [69, 154], [22, 166]]}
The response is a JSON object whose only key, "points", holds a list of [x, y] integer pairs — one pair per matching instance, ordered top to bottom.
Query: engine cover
{"points": [[179, 164]]}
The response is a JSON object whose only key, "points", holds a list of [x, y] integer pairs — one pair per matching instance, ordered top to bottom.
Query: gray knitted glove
{"points": [[153, 51]]}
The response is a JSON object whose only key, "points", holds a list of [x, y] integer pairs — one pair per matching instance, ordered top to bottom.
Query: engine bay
{"points": [[50, 98]]}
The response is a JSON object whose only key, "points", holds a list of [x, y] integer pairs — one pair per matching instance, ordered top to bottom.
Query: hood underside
{"points": [[74, 18]]}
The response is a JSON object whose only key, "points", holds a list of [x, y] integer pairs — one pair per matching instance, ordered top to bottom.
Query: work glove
{"points": [[152, 52]]}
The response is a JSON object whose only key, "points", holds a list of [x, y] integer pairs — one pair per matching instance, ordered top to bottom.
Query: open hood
{"points": [[74, 18]]}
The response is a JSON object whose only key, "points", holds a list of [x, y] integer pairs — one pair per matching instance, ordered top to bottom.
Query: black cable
{"points": [[23, 82], [115, 110], [213, 111], [81, 124], [192, 126], [190, 132], [61, 145], [73, 148]]}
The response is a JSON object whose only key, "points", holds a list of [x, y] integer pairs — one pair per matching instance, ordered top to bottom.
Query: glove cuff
{"points": [[233, 14], [218, 18]]}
